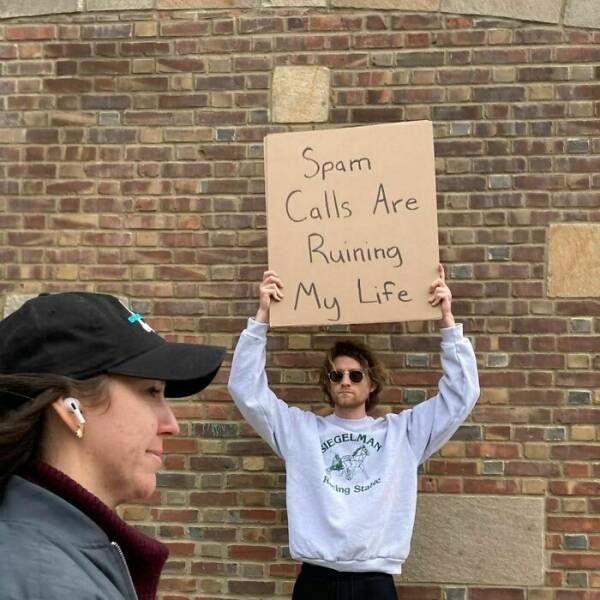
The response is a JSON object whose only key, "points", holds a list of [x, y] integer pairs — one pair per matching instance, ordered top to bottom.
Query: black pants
{"points": [[320, 583]]}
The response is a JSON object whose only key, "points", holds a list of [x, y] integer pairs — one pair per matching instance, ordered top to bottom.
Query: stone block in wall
{"points": [[293, 3], [119, 4], [204, 4], [412, 5], [10, 8], [547, 11], [583, 13], [300, 95], [574, 260], [13, 302], [484, 540]]}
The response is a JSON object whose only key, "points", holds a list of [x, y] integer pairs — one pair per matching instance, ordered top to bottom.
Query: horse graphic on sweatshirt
{"points": [[350, 463]]}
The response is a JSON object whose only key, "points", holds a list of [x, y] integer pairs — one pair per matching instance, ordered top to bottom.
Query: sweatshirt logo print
{"points": [[350, 463], [347, 473]]}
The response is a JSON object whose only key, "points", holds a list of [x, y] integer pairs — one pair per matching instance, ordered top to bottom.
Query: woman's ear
{"points": [[69, 412]]}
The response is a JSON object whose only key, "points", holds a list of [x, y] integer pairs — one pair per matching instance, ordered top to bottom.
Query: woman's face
{"points": [[123, 439]]}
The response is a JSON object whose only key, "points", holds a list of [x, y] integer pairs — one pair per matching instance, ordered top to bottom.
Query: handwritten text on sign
{"points": [[352, 226]]}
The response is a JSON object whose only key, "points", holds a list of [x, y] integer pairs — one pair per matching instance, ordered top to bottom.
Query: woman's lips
{"points": [[157, 455]]}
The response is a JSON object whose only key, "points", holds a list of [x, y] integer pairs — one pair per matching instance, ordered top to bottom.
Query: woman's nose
{"points": [[168, 422]]}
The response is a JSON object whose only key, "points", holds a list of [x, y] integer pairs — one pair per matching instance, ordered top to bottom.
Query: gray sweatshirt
{"points": [[352, 483]]}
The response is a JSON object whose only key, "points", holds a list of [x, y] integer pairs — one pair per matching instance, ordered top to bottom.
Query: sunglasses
{"points": [[355, 375]]}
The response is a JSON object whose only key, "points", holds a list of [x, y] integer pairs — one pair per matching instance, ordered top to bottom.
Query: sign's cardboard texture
{"points": [[352, 224]]}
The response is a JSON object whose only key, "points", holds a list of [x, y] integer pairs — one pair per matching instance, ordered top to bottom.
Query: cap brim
{"points": [[185, 368]]}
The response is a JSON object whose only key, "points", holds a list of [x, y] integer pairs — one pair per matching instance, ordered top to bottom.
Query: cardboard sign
{"points": [[352, 224]]}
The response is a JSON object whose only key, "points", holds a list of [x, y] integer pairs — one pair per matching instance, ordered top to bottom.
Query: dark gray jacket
{"points": [[50, 550]]}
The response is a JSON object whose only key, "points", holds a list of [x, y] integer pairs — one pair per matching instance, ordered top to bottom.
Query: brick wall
{"points": [[131, 163]]}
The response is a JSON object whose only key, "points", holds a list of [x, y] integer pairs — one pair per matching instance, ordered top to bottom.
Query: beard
{"points": [[348, 400]]}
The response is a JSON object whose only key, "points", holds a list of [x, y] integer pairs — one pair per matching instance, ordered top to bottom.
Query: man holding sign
{"points": [[352, 479]]}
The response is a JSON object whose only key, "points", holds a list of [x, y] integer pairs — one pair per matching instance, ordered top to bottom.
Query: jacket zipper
{"points": [[120, 553]]}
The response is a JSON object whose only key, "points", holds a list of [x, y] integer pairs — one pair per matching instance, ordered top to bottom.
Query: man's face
{"points": [[347, 394]]}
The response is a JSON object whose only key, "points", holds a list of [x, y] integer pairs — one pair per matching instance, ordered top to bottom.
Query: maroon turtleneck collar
{"points": [[145, 557]]}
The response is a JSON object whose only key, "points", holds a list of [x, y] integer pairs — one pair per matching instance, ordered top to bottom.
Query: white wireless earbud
{"points": [[72, 405]]}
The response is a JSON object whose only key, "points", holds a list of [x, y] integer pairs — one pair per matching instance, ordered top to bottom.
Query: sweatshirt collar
{"points": [[350, 423]]}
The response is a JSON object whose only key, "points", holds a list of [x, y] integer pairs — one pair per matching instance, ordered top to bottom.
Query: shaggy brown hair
{"points": [[368, 361]]}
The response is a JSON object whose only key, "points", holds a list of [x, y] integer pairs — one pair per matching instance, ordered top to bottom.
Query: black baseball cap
{"points": [[82, 334]]}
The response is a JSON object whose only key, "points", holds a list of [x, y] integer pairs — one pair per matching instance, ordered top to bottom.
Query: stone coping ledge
{"points": [[572, 13]]}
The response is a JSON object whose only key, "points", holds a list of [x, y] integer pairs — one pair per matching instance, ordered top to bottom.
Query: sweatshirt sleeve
{"points": [[270, 417], [433, 422]]}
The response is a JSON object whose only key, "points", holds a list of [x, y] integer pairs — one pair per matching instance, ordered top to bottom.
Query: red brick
{"points": [[416, 21], [185, 29], [30, 32], [377, 40], [226, 45], [144, 48], [67, 50], [8, 51], [578, 54], [499, 56], [420, 58], [180, 64], [104, 67], [134, 84], [67, 85], [578, 92], [499, 94], [183, 101], [106, 102], [372, 115], [147, 117], [458, 147], [185, 170], [32, 171], [110, 171], [71, 187], [29, 238], [108, 239], [104, 272], [575, 379], [578, 416], [489, 450], [576, 452], [444, 467], [531, 469], [490, 486], [574, 524], [251, 552], [575, 561], [251, 587], [421, 592], [496, 594], [577, 595]]}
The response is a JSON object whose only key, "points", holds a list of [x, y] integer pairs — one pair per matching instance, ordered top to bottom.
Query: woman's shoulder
{"points": [[39, 528], [25, 540], [33, 564], [38, 564]]}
